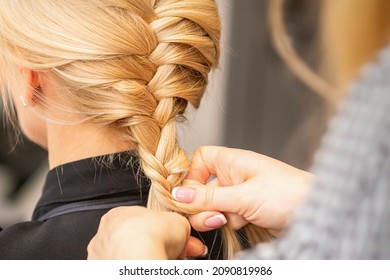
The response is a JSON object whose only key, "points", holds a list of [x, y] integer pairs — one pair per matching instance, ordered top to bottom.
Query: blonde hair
{"points": [[351, 33], [295, 63], [133, 65]]}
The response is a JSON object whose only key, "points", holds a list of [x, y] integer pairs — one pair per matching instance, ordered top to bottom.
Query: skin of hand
{"points": [[241, 187], [137, 233]]}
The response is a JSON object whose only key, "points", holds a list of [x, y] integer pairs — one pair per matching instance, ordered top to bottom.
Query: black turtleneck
{"points": [[74, 198]]}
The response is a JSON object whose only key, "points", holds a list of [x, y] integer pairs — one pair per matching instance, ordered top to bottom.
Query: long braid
{"points": [[183, 57]]}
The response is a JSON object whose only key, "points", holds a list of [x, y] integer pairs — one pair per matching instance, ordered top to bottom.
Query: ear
{"points": [[32, 86]]}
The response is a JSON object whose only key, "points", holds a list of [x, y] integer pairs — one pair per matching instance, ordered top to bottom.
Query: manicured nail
{"points": [[185, 195], [216, 221], [205, 251]]}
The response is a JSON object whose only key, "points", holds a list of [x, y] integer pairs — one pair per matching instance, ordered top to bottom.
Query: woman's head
{"points": [[128, 65], [131, 65]]}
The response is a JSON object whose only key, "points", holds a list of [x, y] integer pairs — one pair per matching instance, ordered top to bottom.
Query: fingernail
{"points": [[183, 194], [216, 221], [205, 251]]}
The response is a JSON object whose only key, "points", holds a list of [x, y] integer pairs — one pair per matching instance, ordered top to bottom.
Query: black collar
{"points": [[93, 178]]}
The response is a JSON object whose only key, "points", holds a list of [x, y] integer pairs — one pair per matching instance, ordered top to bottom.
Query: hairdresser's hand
{"points": [[247, 188], [138, 233]]}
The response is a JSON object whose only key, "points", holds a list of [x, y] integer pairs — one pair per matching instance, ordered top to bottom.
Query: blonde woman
{"points": [[100, 84], [345, 214]]}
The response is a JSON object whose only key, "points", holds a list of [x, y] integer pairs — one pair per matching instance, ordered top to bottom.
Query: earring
{"points": [[23, 101]]}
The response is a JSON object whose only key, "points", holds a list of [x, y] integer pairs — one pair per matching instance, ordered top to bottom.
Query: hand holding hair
{"points": [[247, 188], [137, 233]]}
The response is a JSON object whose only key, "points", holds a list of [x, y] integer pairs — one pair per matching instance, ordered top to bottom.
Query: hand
{"points": [[247, 188], [138, 233]]}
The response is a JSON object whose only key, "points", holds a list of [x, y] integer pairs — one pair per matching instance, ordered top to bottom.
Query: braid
{"points": [[186, 51], [180, 77]]}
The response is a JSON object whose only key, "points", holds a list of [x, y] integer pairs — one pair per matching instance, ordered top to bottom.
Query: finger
{"points": [[203, 163], [231, 166], [214, 183], [226, 199], [210, 220], [214, 220], [236, 221], [195, 248]]}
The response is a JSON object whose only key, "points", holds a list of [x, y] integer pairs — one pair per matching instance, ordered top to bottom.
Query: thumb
{"points": [[222, 199], [218, 204], [210, 220]]}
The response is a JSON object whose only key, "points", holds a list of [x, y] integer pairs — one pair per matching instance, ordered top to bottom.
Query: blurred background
{"points": [[253, 102]]}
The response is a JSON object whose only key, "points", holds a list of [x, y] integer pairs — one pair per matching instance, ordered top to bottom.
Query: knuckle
{"points": [[209, 198], [91, 245]]}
